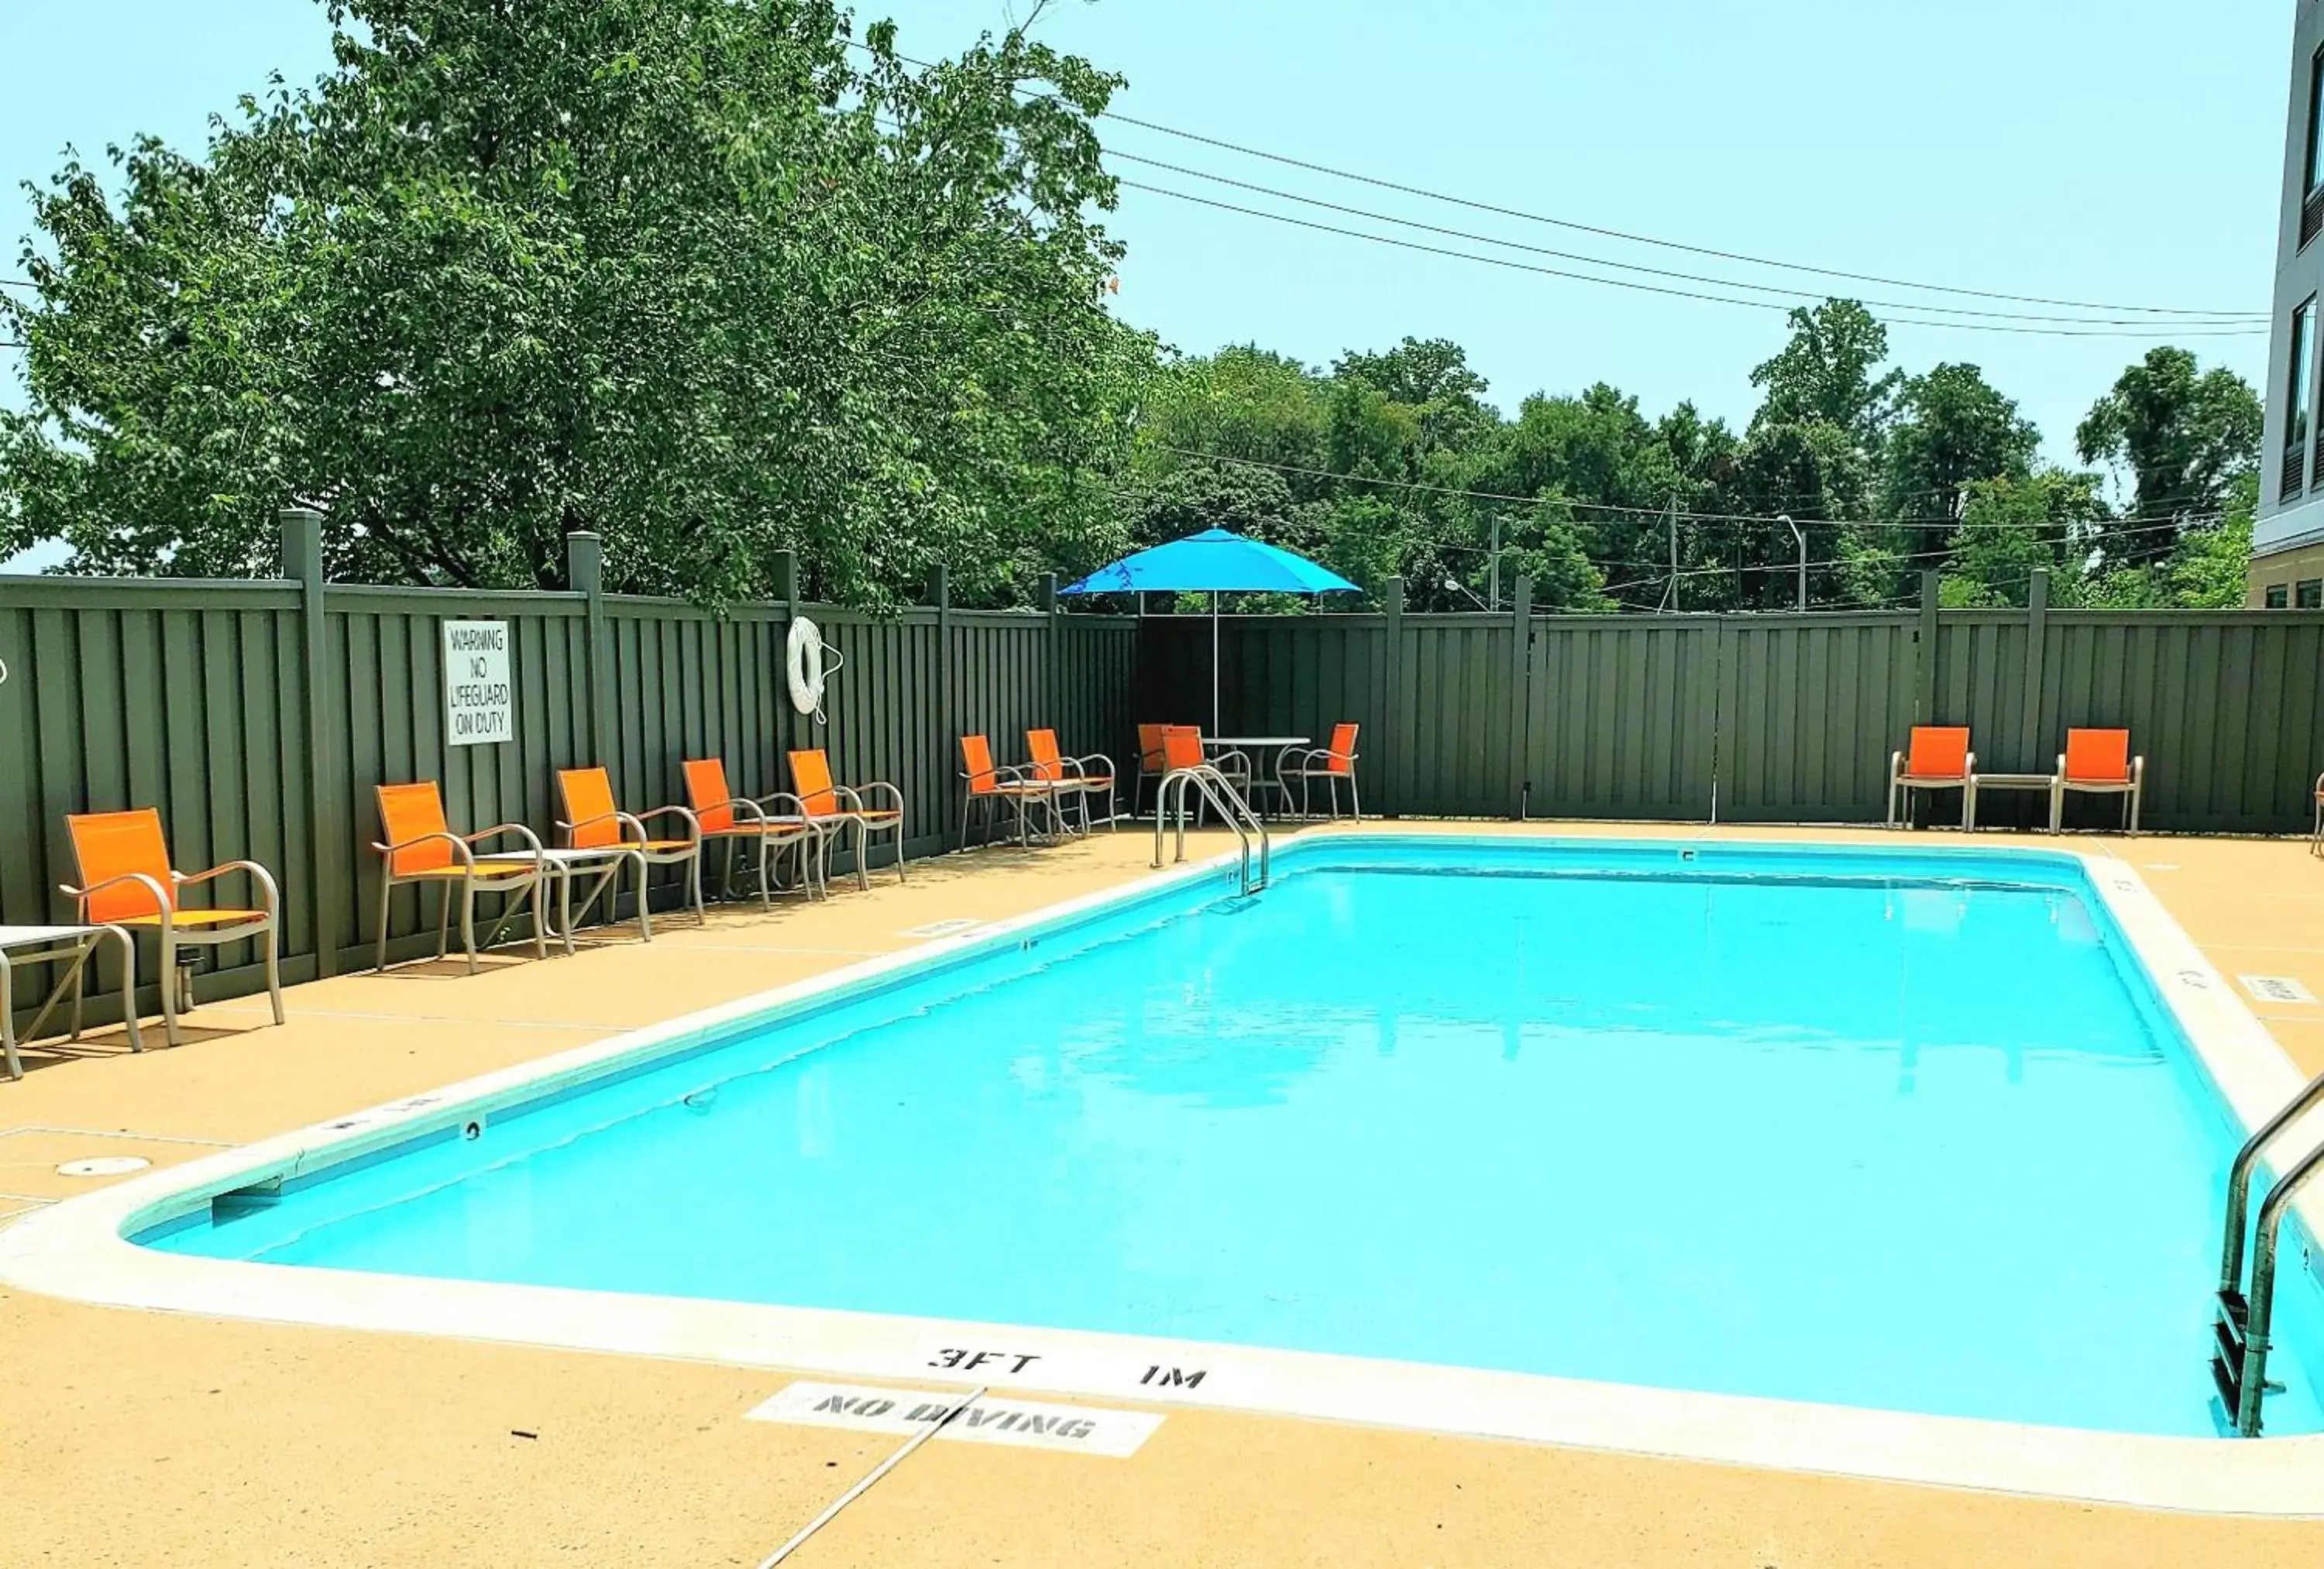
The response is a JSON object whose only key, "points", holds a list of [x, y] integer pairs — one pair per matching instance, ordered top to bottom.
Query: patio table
{"points": [[1262, 765], [1982, 782], [561, 865], [73, 946]]}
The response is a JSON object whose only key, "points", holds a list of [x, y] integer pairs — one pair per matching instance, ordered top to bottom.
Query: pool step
{"points": [[2228, 1332], [2239, 1333]]}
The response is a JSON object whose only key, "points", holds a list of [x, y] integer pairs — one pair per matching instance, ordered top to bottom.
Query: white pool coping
{"points": [[78, 1250]]}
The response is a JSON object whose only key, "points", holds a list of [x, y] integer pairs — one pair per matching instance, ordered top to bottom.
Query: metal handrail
{"points": [[1231, 808], [2239, 1176], [2243, 1322], [2254, 1387]]}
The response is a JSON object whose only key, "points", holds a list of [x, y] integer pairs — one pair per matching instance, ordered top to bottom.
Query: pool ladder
{"points": [[1226, 801], [2240, 1343]]}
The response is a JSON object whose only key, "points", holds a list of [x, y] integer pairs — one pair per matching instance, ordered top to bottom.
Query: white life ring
{"points": [[802, 664]]}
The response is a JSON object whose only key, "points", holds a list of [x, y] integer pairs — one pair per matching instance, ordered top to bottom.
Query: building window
{"points": [[2311, 205], [2298, 378], [2308, 595], [2278, 596]]}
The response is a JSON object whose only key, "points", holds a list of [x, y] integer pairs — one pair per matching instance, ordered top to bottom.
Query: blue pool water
{"points": [[1905, 1131]]}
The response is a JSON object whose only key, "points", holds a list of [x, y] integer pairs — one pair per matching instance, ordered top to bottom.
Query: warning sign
{"points": [[479, 704]]}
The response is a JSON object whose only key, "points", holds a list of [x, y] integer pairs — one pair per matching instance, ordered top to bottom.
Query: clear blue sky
{"points": [[2122, 151]]}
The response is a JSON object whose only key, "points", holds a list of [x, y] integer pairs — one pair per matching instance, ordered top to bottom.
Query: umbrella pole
{"points": [[1214, 663]]}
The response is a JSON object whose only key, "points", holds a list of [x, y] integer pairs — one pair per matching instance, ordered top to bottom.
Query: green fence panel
{"points": [[2223, 705], [1810, 707], [1622, 718]]}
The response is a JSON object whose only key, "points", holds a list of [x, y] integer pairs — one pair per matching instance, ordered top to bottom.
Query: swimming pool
{"points": [[1908, 1131]]}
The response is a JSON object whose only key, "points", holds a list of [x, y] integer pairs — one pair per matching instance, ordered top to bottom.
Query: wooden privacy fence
{"points": [[258, 716], [1767, 718]]}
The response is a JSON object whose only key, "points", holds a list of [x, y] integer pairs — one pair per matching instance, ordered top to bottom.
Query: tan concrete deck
{"points": [[146, 1438]]}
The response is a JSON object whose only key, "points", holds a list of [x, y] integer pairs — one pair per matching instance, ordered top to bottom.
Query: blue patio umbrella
{"points": [[1213, 562]]}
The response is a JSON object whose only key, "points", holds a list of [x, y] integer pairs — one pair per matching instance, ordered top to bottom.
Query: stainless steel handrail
{"points": [[1232, 809], [2239, 1176], [2244, 1322], [2254, 1385]]}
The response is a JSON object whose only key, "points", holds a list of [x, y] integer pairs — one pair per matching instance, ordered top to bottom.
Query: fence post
{"points": [[584, 574], [786, 574], [2037, 637], [1927, 649], [1053, 662], [947, 715], [1520, 741], [1393, 753], [326, 806]]}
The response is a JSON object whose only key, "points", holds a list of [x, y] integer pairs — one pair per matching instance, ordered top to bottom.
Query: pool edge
{"points": [[78, 1250]]}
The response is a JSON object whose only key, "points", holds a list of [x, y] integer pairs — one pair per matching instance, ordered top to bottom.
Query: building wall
{"points": [[2296, 522], [2288, 571]]}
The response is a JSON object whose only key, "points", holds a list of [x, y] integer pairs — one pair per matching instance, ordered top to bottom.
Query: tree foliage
{"points": [[691, 273], [717, 279], [2186, 437]]}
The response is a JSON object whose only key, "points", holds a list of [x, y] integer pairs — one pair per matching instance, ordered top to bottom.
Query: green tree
{"points": [[686, 273], [1825, 374], [1243, 402], [1951, 429], [2186, 435], [1193, 496], [2012, 526], [1546, 545]]}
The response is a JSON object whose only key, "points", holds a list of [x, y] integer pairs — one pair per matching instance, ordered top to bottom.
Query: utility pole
{"points": [[1800, 534], [1493, 568], [1670, 590]]}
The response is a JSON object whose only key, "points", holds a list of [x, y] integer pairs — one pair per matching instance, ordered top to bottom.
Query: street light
{"points": [[1800, 534], [1454, 585]]}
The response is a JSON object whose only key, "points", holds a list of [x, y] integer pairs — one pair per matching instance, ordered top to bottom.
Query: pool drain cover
{"points": [[104, 1166]]}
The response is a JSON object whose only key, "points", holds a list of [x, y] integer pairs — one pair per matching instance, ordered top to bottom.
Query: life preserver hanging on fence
{"points": [[808, 664]]}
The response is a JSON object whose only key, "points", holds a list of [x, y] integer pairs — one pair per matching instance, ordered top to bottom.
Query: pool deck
{"points": [[147, 1438]]}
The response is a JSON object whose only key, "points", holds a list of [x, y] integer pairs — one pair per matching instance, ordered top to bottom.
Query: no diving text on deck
{"points": [[1028, 1424]]}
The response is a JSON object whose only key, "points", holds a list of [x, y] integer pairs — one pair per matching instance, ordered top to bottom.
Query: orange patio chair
{"points": [[1182, 749], [1940, 759], [2098, 762], [1333, 765], [1150, 767], [1075, 778], [994, 786], [844, 805], [725, 818], [598, 824], [417, 845], [127, 881]]}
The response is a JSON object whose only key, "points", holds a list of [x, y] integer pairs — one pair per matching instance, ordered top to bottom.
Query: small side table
{"points": [[1266, 753], [1980, 782], [606, 862], [74, 946]]}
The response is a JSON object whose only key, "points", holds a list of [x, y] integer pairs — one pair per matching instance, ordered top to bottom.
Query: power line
{"points": [[1581, 228], [1665, 244], [1504, 262], [1636, 267], [1647, 512], [1781, 568]]}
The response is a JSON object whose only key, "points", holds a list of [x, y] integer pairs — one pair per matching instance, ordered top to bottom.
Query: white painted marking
{"points": [[952, 928], [2276, 988], [104, 1166], [1026, 1424]]}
